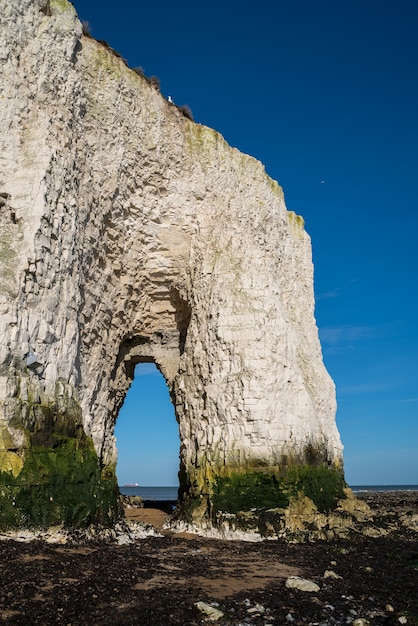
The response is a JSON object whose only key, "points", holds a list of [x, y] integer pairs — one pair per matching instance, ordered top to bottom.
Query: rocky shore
{"points": [[169, 578]]}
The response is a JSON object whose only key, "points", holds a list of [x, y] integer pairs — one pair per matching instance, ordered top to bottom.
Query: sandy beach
{"points": [[160, 580]]}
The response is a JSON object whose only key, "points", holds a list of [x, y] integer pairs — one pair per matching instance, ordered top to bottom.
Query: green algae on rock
{"points": [[49, 470]]}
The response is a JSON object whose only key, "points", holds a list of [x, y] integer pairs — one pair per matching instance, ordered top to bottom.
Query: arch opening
{"points": [[147, 433]]}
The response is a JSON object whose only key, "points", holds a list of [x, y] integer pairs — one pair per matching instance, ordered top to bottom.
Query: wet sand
{"points": [[157, 581]]}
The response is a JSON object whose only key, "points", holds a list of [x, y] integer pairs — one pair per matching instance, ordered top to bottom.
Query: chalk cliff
{"points": [[129, 233]]}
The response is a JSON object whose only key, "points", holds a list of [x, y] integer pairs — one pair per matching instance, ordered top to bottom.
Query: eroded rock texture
{"points": [[129, 233]]}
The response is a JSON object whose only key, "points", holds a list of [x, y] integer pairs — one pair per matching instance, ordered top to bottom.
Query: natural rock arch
{"points": [[129, 232]]}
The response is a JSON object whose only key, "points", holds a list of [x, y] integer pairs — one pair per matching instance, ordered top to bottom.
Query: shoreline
{"points": [[159, 580]]}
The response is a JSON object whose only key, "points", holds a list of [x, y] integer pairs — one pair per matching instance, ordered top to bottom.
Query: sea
{"points": [[362, 488], [150, 493], [170, 493]]}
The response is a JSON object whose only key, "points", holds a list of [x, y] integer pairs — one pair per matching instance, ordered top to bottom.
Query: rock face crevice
{"points": [[128, 233]]}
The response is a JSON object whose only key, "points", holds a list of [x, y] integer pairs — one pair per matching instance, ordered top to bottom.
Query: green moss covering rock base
{"points": [[56, 477], [322, 484], [59, 485], [252, 490], [259, 490], [250, 494], [304, 502]]}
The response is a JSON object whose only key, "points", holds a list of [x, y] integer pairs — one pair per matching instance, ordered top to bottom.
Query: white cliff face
{"points": [[129, 233]]}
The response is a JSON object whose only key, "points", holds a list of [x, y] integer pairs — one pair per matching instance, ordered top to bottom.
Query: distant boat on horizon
{"points": [[131, 485]]}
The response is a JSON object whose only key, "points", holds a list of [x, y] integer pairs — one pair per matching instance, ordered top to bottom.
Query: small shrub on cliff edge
{"points": [[86, 28], [155, 82], [187, 112]]}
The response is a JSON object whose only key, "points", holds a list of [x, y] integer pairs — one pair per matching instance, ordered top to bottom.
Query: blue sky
{"points": [[325, 94]]}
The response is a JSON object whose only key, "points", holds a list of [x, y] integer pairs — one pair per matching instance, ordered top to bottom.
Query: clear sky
{"points": [[325, 94]]}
